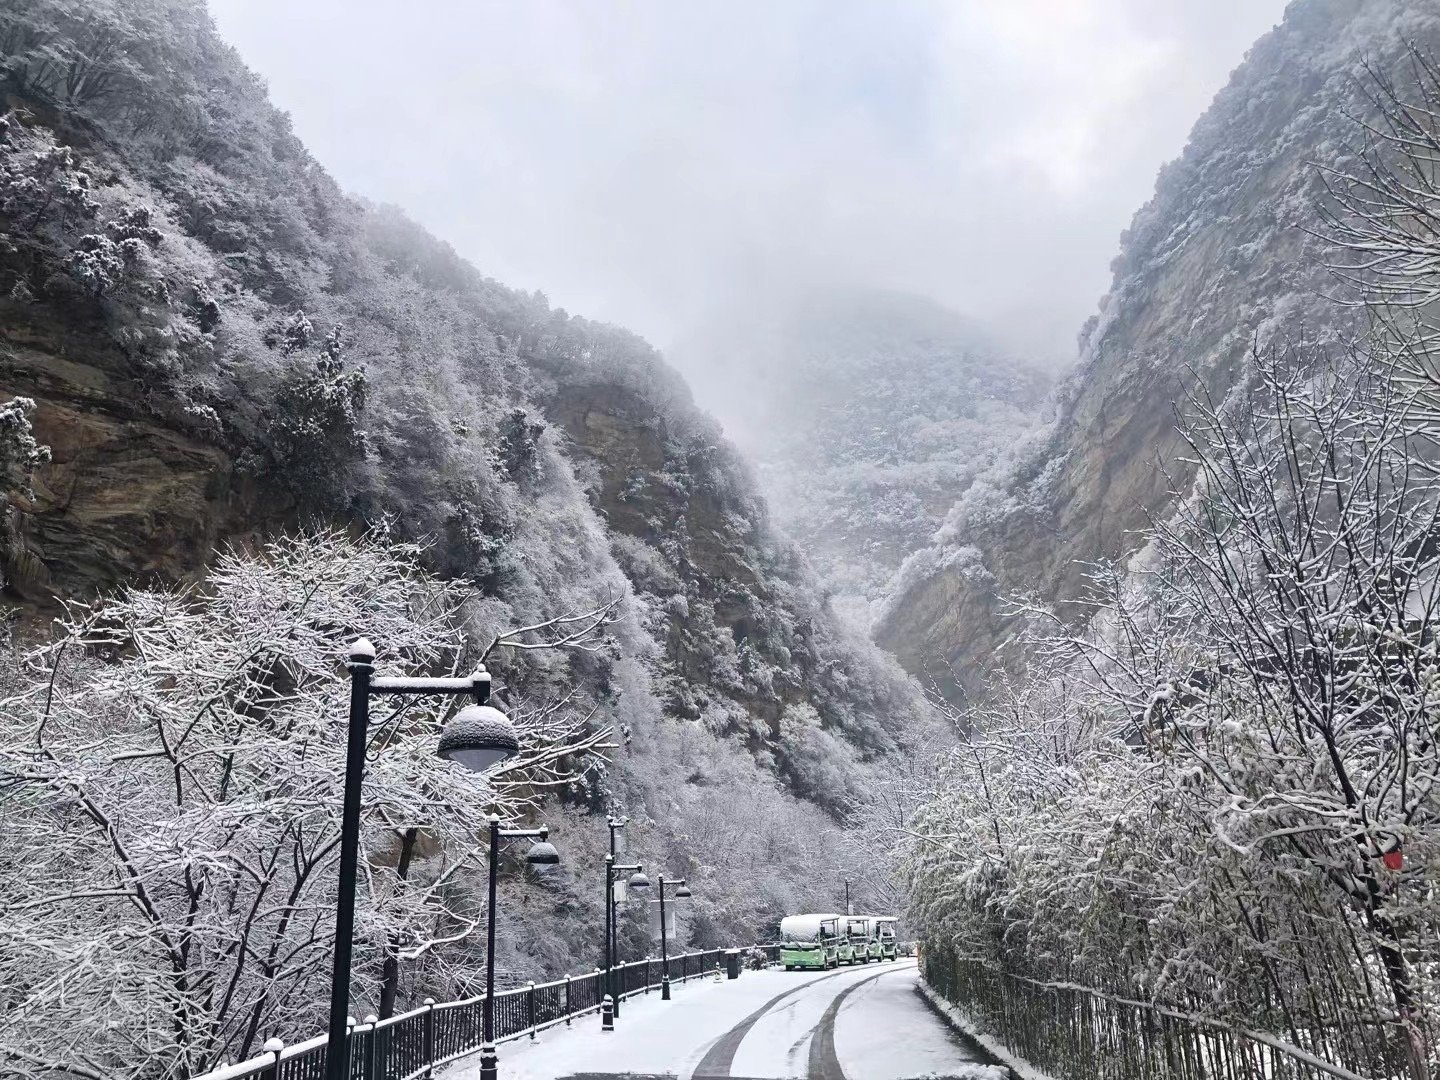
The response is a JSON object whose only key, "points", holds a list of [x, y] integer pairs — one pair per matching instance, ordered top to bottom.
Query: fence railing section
{"points": [[1077, 1033], [413, 1043]]}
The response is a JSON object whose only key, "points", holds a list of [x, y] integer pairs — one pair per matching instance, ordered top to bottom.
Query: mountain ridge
{"points": [[1224, 258], [222, 344]]}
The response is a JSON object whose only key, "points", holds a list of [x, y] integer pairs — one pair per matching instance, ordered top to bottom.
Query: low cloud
{"points": [[649, 162]]}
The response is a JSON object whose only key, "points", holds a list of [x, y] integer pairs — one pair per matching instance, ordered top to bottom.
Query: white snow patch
{"points": [[883, 1032]]}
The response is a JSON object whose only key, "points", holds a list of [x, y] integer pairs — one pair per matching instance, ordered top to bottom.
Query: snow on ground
{"points": [[882, 1031], [885, 1032], [650, 1036], [779, 1043], [1018, 1066]]}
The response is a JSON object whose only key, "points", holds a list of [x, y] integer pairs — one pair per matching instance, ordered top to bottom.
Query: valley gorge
{"points": [[880, 609]]}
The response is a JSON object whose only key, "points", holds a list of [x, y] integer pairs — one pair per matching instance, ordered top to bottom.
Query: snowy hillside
{"points": [[1220, 260], [217, 347], [867, 414]]}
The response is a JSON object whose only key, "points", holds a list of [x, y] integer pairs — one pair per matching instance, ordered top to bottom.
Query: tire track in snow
{"points": [[717, 1062], [824, 1063], [715, 1065]]}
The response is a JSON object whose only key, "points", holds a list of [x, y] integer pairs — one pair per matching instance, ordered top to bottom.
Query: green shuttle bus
{"points": [[885, 937], [810, 941], [860, 945]]}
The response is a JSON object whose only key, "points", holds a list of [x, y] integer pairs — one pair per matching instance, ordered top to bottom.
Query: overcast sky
{"points": [[646, 162]]}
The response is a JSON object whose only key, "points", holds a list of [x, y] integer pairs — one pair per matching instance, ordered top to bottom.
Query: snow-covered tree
{"points": [[172, 767], [1223, 796]]}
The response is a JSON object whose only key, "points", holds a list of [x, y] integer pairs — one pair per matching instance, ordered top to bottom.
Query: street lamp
{"points": [[485, 738], [614, 825], [541, 853], [681, 893], [610, 1008]]}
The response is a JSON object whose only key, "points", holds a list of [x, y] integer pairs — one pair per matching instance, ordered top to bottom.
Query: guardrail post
{"points": [[648, 959], [567, 1000], [530, 1008], [607, 1017], [427, 1037], [273, 1046], [371, 1046]]}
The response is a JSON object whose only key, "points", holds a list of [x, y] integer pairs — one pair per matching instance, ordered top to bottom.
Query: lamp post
{"points": [[478, 738], [614, 824], [541, 853], [681, 893], [610, 1007]]}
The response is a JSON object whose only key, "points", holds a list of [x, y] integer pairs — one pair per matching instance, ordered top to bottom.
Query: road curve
{"points": [[857, 1023]]}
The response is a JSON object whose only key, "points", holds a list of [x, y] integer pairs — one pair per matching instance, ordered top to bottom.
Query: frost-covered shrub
{"points": [[42, 184], [97, 263], [203, 308], [292, 335], [316, 434], [518, 444], [20, 454], [174, 769]]}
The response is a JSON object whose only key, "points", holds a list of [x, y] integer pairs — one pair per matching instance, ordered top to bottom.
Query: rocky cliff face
{"points": [[1221, 261], [221, 343], [126, 495], [748, 648]]}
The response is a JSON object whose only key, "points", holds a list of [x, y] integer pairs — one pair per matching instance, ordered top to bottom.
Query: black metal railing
{"points": [[1072, 1031], [412, 1044]]}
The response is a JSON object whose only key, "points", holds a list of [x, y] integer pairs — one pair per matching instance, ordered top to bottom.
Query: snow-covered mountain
{"points": [[1220, 261], [222, 346], [867, 415]]}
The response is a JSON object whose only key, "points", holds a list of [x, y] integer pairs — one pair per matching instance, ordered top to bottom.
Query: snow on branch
{"points": [[177, 761]]}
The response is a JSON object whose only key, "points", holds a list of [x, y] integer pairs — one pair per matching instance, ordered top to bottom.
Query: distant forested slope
{"points": [[869, 414]]}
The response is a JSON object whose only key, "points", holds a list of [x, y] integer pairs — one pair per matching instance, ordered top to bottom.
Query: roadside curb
{"points": [[1018, 1067]]}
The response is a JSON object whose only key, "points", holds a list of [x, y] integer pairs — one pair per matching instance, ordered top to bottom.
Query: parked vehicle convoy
{"points": [[828, 940], [810, 941]]}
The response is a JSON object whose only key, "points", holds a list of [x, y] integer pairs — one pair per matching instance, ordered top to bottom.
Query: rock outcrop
{"points": [[1222, 260], [125, 496]]}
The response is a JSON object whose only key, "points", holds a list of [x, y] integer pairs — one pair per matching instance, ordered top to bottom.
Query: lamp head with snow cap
{"points": [[362, 651], [479, 738], [542, 853]]}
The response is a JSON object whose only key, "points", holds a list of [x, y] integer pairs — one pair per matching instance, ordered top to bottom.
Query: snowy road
{"points": [[860, 1023]]}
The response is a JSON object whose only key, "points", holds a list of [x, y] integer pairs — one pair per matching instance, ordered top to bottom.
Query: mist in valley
{"points": [[669, 166], [867, 235], [962, 461]]}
